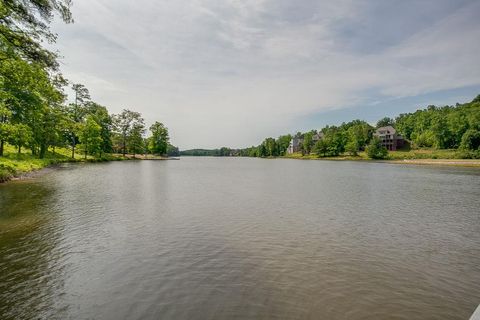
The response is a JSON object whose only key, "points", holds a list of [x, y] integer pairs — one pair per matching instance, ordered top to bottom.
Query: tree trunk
{"points": [[124, 145], [1, 148], [73, 148], [19, 149], [43, 149]]}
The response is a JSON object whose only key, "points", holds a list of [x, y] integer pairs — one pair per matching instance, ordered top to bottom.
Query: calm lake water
{"points": [[240, 238]]}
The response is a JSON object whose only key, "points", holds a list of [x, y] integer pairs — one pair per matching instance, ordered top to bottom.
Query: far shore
{"points": [[432, 157], [431, 162], [440, 162]]}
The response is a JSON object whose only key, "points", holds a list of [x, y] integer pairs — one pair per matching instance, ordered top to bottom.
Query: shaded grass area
{"points": [[14, 164]]}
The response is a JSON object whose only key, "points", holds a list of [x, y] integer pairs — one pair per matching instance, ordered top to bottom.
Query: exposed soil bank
{"points": [[440, 162]]}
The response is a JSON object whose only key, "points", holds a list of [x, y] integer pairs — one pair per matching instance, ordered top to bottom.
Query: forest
{"points": [[34, 110]]}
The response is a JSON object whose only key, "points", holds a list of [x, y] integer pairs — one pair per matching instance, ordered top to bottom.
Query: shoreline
{"points": [[439, 162], [475, 163], [35, 172], [8, 174], [26, 175]]}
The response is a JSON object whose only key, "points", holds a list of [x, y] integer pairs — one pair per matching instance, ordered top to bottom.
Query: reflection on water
{"points": [[222, 238]]}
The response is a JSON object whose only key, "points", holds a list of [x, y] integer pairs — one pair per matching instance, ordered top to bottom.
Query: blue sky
{"points": [[232, 72]]}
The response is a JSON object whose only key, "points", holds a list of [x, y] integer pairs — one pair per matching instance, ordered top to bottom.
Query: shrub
{"points": [[471, 140], [375, 150]]}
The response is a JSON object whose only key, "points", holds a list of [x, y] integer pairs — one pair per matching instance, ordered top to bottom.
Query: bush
{"points": [[471, 140], [375, 150], [468, 154]]}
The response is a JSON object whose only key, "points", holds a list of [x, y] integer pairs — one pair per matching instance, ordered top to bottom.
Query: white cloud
{"points": [[232, 72]]}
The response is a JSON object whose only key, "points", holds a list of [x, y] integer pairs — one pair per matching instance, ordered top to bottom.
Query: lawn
{"points": [[399, 155], [14, 164]]}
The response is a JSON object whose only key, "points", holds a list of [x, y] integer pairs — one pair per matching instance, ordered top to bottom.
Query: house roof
{"points": [[386, 130]]}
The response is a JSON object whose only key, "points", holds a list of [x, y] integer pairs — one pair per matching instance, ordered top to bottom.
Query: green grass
{"points": [[422, 154], [399, 155], [360, 156], [13, 164]]}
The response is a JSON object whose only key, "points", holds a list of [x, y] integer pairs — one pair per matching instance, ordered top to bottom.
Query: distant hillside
{"points": [[222, 152]]}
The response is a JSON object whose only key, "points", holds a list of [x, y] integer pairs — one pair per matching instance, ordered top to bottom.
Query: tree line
{"points": [[34, 112], [448, 127], [350, 137], [221, 152]]}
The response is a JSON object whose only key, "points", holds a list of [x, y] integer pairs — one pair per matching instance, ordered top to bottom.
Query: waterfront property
{"points": [[389, 138], [297, 142], [295, 145]]}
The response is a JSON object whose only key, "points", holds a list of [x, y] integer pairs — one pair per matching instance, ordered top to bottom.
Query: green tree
{"points": [[24, 25], [31, 97], [77, 112], [101, 116], [385, 122], [127, 124], [5, 127], [358, 135], [20, 136], [90, 136], [135, 138], [159, 139], [335, 139], [471, 140], [307, 142], [282, 143], [270, 147], [352, 147], [321, 148], [375, 150], [172, 151], [262, 151]]}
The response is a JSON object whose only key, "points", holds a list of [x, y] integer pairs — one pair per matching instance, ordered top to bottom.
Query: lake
{"points": [[241, 238]]}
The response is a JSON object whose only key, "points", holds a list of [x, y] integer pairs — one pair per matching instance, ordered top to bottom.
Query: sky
{"points": [[233, 72]]}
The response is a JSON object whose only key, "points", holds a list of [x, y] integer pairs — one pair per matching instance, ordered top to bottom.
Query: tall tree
{"points": [[24, 25], [29, 94], [77, 112], [101, 116], [385, 122], [125, 123], [6, 127], [90, 136], [135, 138], [159, 140], [283, 142], [307, 142], [270, 148], [321, 148], [375, 150]]}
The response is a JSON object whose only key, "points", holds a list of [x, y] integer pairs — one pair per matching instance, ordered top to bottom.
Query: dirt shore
{"points": [[440, 162]]}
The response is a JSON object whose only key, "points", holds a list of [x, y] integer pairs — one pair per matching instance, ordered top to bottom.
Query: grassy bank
{"points": [[420, 156], [14, 164]]}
